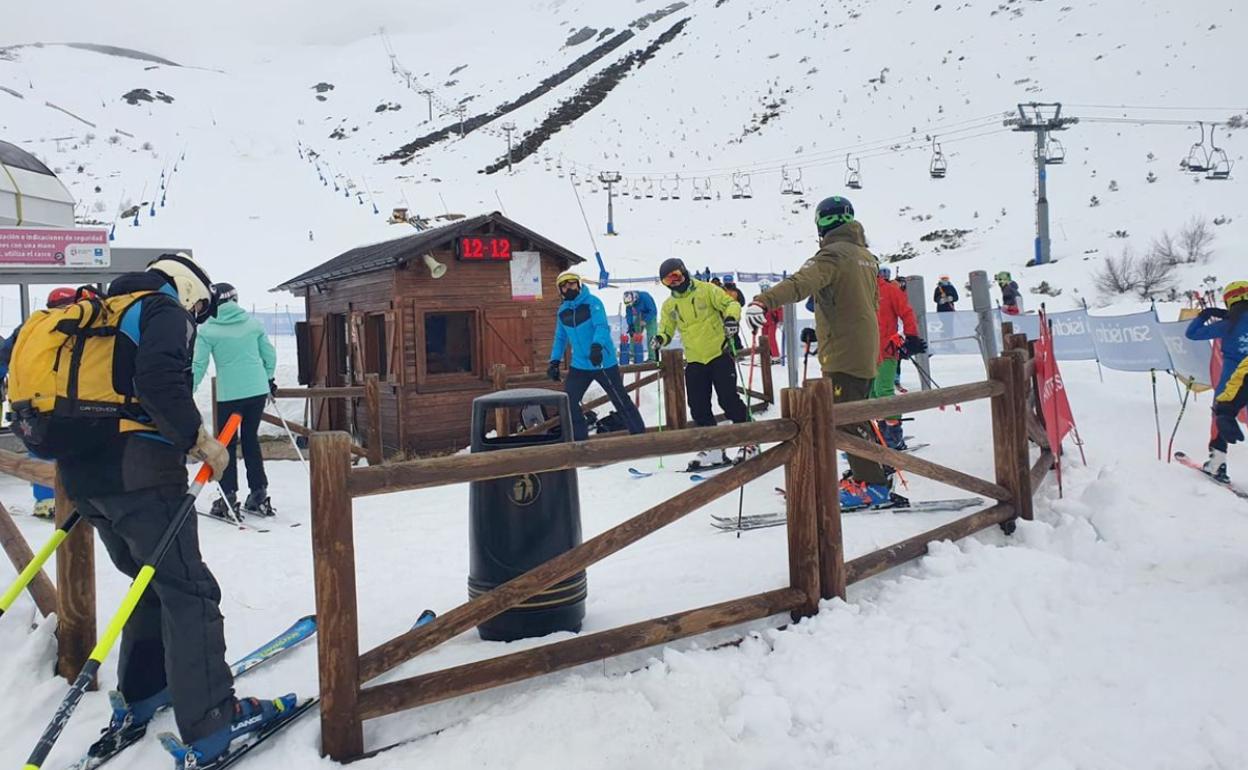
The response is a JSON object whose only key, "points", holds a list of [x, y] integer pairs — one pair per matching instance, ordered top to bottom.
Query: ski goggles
{"points": [[673, 279], [569, 282]]}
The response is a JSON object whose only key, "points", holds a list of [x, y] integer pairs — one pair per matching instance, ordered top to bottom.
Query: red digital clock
{"points": [[485, 248]]}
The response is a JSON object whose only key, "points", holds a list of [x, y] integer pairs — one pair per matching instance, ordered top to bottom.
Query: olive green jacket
{"points": [[841, 277], [698, 313]]}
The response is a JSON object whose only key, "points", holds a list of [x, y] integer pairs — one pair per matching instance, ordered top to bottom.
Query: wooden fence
{"points": [[807, 439]]}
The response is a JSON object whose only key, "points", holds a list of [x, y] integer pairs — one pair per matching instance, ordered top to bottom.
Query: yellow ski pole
{"points": [[36, 564], [118, 622]]}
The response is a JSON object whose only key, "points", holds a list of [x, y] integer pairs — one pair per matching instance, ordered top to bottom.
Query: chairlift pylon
{"points": [[1197, 160], [1219, 163], [939, 166]]}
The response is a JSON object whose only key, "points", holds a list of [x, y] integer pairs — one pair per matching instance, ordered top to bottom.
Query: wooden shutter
{"points": [[508, 340]]}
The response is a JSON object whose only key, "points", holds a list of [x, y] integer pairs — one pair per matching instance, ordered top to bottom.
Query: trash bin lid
{"points": [[521, 397]]}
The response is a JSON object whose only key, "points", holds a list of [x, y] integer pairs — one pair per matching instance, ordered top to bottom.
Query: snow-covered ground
{"points": [[1106, 634]]}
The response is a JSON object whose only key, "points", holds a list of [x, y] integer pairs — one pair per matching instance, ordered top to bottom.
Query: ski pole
{"points": [[805, 361], [927, 376], [749, 385], [659, 400], [1182, 408], [1156, 414], [875, 426], [289, 433], [36, 564], [131, 600]]}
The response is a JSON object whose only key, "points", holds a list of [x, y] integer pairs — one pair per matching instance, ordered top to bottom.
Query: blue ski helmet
{"points": [[833, 212]]}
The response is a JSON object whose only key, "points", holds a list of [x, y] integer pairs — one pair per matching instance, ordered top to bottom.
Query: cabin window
{"points": [[450, 343], [376, 348], [339, 350]]}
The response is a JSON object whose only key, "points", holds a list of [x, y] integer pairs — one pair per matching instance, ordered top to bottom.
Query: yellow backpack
{"points": [[64, 397]]}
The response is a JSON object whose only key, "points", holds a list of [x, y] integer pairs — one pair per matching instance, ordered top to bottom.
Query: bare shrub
{"points": [[1196, 240], [1166, 249], [1117, 275], [1154, 276]]}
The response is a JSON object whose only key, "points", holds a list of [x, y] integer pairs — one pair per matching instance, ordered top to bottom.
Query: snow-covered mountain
{"points": [[708, 97]]}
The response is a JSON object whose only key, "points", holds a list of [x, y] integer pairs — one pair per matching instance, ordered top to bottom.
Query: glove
{"points": [[1212, 312], [755, 316], [731, 327], [808, 336], [639, 338], [657, 343], [913, 346], [595, 354], [552, 371], [273, 388], [207, 449]]}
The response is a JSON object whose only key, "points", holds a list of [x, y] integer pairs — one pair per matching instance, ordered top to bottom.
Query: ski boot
{"points": [[894, 435], [747, 452], [708, 458], [1215, 466], [857, 495], [258, 504], [225, 507], [45, 509], [251, 715], [128, 723]]}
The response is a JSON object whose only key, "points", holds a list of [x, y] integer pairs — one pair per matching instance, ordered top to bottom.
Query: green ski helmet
{"points": [[833, 212], [1003, 277]]}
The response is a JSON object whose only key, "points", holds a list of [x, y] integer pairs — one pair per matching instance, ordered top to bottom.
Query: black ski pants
{"points": [[720, 375], [578, 382], [846, 388], [1225, 414], [249, 433], [176, 636]]}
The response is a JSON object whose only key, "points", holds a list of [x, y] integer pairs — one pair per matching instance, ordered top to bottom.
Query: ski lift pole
{"points": [[603, 275], [137, 588]]}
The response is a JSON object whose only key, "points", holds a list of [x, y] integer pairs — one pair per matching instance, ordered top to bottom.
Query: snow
{"points": [[1105, 634]]}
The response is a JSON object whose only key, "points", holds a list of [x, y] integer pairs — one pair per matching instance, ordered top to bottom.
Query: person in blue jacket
{"points": [[641, 316], [582, 323], [245, 364], [1231, 395]]}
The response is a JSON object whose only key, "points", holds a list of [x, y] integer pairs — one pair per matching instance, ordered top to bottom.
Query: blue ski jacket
{"points": [[641, 313], [580, 323], [1233, 331]]}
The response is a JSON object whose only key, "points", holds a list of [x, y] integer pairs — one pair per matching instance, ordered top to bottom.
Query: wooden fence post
{"points": [[764, 361], [673, 362], [372, 402], [502, 421], [1004, 442], [801, 503], [1023, 504], [18, 550], [333, 563], [832, 578], [75, 595]]}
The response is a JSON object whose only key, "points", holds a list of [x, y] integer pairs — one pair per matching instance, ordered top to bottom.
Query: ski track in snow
{"points": [[1107, 633]]}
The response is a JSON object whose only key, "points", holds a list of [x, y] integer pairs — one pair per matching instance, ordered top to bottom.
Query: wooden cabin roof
{"points": [[389, 254]]}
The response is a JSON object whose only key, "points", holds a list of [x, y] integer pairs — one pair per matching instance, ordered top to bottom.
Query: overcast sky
{"points": [[195, 31]]}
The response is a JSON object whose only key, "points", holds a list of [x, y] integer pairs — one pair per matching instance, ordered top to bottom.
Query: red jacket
{"points": [[894, 307]]}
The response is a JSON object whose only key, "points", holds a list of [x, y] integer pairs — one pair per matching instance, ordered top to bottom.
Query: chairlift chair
{"points": [[1054, 152], [1198, 160], [1219, 163], [939, 166], [853, 175], [786, 184], [797, 184], [649, 186], [676, 188], [747, 190], [636, 191], [738, 192], [663, 193]]}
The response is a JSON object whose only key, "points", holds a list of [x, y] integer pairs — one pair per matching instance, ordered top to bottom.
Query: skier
{"points": [[842, 278], [730, 286], [945, 295], [1010, 296], [894, 309], [642, 318], [775, 318], [707, 319], [582, 323], [245, 363], [1231, 395], [45, 497], [173, 647]]}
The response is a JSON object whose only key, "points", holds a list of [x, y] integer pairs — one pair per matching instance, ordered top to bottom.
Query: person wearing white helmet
{"points": [[129, 488]]}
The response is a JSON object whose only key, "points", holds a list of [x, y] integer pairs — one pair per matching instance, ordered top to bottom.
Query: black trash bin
{"points": [[519, 522]]}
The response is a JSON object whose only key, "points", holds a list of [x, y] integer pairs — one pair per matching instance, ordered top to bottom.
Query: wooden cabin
{"points": [[430, 314]]}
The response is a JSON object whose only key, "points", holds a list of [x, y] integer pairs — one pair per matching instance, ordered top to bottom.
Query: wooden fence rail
{"points": [[805, 441]]}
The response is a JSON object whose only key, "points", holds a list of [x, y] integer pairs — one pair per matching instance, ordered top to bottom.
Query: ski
{"points": [[1190, 462], [703, 468], [637, 474], [760, 520], [243, 525], [425, 619], [302, 630], [243, 746]]}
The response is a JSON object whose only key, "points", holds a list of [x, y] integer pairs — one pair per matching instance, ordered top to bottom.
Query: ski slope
{"points": [[1107, 633]]}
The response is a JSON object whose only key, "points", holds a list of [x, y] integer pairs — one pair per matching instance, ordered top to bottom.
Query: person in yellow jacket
{"points": [[842, 278], [708, 319]]}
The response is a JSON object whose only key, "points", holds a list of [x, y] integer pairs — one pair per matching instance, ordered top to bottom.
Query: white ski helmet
{"points": [[191, 282]]}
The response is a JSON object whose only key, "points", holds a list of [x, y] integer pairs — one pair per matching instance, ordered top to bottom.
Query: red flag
{"points": [[1059, 420]]}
